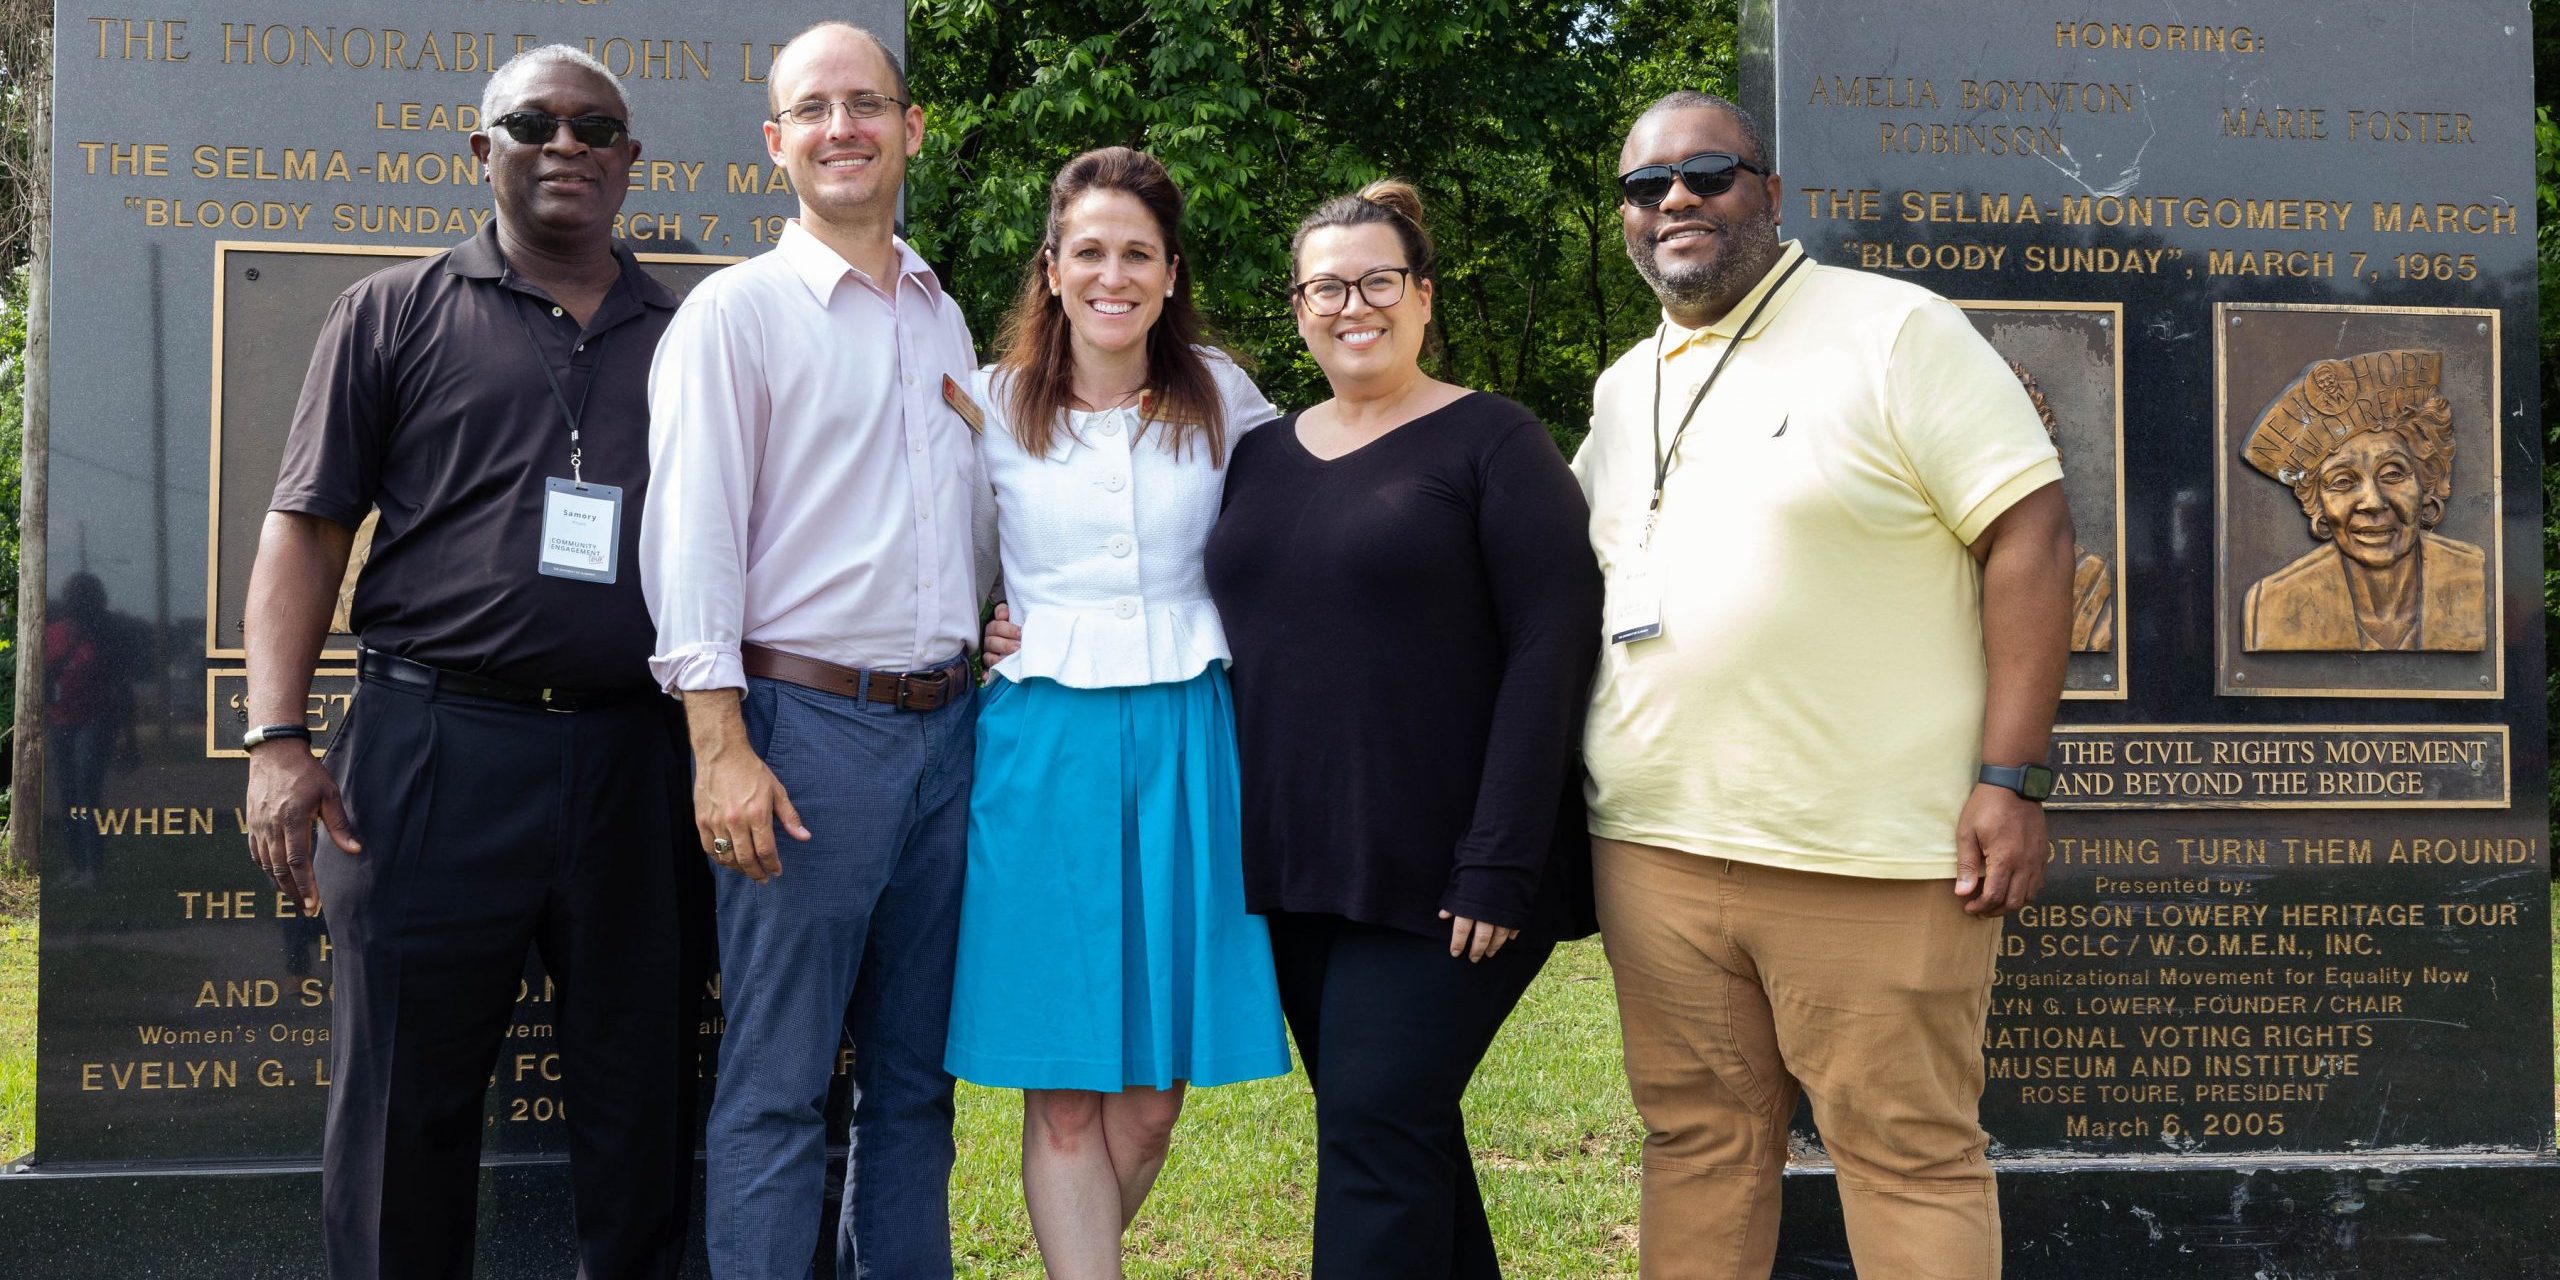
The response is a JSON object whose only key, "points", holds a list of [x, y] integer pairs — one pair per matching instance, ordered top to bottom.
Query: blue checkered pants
{"points": [[858, 933]]}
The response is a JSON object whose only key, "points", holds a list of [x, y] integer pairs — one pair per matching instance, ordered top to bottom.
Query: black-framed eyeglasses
{"points": [[812, 112], [534, 128], [1708, 173], [1327, 296]]}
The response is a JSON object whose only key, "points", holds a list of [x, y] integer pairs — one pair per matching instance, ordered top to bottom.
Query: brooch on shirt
{"points": [[964, 406]]}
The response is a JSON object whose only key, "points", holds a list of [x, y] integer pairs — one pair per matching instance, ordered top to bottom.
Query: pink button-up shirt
{"points": [[809, 489]]}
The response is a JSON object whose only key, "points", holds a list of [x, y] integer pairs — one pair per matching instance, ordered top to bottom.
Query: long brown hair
{"points": [[1033, 350]]}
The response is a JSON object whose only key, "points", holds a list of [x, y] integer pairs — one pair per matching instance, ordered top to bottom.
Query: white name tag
{"points": [[581, 530], [1635, 603]]}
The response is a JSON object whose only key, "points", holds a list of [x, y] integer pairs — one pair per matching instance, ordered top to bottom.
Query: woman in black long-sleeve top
{"points": [[1408, 588]]}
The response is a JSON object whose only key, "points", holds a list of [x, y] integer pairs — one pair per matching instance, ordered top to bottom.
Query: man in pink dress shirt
{"points": [[807, 557]]}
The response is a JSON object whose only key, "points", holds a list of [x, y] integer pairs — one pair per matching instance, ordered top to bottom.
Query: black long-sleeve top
{"points": [[1414, 626]]}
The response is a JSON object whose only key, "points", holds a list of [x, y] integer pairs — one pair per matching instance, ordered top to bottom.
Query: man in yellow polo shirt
{"points": [[1839, 612]]}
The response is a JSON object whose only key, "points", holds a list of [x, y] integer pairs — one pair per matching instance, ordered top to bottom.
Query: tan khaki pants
{"points": [[1738, 986]]}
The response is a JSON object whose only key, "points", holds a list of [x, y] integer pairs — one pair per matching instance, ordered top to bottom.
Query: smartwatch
{"points": [[271, 732], [2031, 781]]}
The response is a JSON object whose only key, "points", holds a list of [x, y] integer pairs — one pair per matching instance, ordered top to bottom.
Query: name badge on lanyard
{"points": [[581, 522], [581, 530], [1635, 599], [1635, 602]]}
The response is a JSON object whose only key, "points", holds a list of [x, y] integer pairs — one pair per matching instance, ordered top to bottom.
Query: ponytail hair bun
{"points": [[1397, 195], [1387, 202]]}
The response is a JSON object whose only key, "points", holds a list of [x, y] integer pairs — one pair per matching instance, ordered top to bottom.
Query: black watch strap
{"points": [[270, 732], [2030, 781]]}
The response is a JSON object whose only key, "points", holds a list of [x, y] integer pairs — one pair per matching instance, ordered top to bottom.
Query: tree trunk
{"points": [[25, 849]]}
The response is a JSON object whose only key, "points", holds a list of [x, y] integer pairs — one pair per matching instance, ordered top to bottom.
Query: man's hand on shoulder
{"points": [[287, 789], [2000, 851]]}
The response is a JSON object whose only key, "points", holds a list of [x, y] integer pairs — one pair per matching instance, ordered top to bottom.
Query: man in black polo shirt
{"points": [[507, 777]]}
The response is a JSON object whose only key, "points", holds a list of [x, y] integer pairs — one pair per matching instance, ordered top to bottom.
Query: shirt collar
{"points": [[479, 258], [821, 268], [1676, 339]]}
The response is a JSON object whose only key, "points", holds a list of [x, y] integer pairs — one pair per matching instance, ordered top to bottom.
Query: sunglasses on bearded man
{"points": [[1708, 173]]}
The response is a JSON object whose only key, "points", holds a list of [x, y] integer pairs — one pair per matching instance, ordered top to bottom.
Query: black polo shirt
{"points": [[425, 401]]}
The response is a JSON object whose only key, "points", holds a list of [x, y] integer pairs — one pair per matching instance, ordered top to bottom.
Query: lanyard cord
{"points": [[577, 456], [1661, 456]]}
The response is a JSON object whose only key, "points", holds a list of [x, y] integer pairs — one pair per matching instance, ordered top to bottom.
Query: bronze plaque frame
{"points": [[225, 600], [2345, 673], [2093, 676], [2504, 773]]}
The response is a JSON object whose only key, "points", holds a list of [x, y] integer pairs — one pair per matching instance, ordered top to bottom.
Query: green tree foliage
{"points": [[1505, 113]]}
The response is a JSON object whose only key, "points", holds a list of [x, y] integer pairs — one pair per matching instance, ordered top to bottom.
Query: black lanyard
{"points": [[576, 456], [1662, 457]]}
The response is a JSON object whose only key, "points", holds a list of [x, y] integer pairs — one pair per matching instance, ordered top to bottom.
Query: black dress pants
{"points": [[491, 829], [1391, 1027]]}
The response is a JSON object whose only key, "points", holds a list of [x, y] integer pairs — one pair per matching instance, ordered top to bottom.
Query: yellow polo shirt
{"points": [[1814, 700]]}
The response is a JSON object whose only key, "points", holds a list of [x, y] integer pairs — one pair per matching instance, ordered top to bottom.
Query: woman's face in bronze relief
{"points": [[2371, 497]]}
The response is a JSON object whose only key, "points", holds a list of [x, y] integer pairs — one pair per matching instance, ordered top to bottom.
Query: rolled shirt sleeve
{"points": [[708, 407]]}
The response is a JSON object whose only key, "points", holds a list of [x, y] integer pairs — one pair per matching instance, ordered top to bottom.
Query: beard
{"points": [[1751, 244]]}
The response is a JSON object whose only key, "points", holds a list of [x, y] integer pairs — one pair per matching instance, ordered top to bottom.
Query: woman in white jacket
{"points": [[1106, 958]]}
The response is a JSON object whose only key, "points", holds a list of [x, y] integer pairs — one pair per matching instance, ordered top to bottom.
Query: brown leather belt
{"points": [[904, 690]]}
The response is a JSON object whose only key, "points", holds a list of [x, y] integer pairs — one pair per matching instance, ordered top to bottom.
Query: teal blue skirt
{"points": [[1103, 937]]}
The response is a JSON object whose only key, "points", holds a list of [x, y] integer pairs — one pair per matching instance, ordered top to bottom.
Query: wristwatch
{"points": [[270, 732], [2031, 781]]}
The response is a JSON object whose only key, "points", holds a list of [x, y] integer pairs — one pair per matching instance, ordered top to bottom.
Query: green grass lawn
{"points": [[17, 1014], [1554, 1134]]}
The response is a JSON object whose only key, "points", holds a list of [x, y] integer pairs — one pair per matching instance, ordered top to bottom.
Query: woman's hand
{"points": [[1002, 640], [1476, 939]]}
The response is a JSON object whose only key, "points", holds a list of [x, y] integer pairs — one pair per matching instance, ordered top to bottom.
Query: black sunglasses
{"points": [[534, 128], [1709, 173]]}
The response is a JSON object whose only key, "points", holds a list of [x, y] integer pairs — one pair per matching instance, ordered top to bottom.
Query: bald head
{"points": [[826, 34]]}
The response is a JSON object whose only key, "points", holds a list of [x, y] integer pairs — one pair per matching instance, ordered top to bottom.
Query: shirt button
{"points": [[556, 311], [580, 347], [1108, 428], [919, 446], [1115, 484], [1120, 545], [927, 584], [1125, 606]]}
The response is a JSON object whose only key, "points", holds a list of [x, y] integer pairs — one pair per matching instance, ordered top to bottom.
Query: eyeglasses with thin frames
{"points": [[813, 112], [1327, 296]]}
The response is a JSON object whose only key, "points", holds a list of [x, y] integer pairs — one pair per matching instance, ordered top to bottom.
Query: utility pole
{"points": [[26, 771]]}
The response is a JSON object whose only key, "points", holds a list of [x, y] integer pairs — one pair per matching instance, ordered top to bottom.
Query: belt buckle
{"points": [[909, 682], [546, 703]]}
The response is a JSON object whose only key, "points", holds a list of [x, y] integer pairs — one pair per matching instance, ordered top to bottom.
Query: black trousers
{"points": [[490, 830], [1391, 1028]]}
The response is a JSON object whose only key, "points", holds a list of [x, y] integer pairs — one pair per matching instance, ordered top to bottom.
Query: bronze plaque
{"points": [[269, 301], [2070, 358], [2358, 470], [2253, 766]]}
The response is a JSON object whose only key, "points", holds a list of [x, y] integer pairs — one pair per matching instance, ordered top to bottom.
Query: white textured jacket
{"points": [[1101, 540]]}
